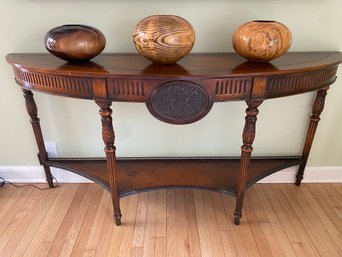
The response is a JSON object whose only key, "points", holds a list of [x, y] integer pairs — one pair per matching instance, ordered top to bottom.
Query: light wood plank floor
{"points": [[76, 220]]}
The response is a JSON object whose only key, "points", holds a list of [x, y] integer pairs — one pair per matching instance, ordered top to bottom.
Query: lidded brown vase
{"points": [[164, 39], [262, 41], [75, 42]]}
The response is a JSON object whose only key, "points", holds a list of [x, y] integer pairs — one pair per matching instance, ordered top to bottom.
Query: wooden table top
{"points": [[201, 65]]}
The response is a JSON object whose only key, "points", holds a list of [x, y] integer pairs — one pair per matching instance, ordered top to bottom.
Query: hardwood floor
{"points": [[75, 220]]}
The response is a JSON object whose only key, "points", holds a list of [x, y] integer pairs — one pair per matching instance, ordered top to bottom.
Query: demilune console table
{"points": [[177, 94]]}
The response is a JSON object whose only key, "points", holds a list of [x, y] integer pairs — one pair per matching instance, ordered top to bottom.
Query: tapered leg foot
{"points": [[317, 109], [32, 111], [248, 136], [108, 138], [299, 178], [49, 180], [237, 216], [117, 217]]}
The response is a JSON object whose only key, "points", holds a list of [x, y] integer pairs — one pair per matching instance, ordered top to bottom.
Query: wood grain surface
{"points": [[164, 39], [262, 41], [75, 43], [281, 220]]}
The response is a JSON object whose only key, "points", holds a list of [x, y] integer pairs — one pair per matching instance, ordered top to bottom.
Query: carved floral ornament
{"points": [[179, 102]]}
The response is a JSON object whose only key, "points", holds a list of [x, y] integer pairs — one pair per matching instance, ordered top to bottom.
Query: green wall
{"points": [[75, 124]]}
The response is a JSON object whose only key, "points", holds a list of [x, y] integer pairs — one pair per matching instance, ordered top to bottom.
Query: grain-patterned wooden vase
{"points": [[164, 39], [262, 41], [75, 43]]}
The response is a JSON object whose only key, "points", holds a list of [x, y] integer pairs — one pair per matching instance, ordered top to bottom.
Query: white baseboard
{"points": [[35, 174], [328, 174]]}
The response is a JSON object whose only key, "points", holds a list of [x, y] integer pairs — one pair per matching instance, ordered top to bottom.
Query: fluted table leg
{"points": [[317, 109], [32, 111], [108, 139], [246, 151]]}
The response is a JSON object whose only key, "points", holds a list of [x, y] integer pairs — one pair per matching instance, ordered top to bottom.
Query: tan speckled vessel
{"points": [[164, 39], [262, 41]]}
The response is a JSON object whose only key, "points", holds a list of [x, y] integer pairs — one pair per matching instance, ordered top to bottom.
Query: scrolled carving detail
{"points": [[179, 102], [318, 105], [31, 106], [107, 126], [249, 129]]}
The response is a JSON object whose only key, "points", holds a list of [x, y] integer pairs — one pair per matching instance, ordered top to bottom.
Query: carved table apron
{"points": [[178, 94]]}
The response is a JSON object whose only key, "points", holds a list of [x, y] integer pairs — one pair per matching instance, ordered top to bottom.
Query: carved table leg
{"points": [[317, 109], [32, 111], [108, 139], [246, 150]]}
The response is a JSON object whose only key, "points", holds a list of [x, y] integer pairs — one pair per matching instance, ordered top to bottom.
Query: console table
{"points": [[177, 94]]}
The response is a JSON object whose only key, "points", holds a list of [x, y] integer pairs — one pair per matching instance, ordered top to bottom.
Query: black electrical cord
{"points": [[3, 182]]}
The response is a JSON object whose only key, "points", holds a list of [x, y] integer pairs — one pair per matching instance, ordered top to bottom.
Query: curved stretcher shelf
{"points": [[142, 174]]}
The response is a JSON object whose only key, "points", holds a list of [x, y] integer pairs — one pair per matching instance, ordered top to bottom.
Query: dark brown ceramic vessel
{"points": [[164, 39], [262, 41], [75, 42]]}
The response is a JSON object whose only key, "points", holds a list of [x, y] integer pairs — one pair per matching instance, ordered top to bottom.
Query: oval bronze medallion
{"points": [[179, 102]]}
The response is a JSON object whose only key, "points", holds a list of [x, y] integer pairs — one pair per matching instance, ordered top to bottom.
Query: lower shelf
{"points": [[142, 174]]}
